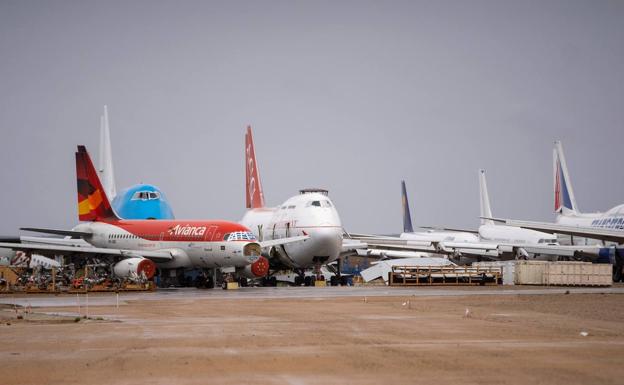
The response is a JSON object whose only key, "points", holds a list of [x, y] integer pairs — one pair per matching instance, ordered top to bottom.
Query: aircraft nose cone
{"points": [[328, 241]]}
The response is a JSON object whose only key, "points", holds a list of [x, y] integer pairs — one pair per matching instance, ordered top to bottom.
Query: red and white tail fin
{"points": [[254, 194], [565, 202], [93, 205]]}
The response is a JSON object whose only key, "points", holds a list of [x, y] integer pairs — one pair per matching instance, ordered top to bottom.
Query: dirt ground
{"points": [[509, 339]]}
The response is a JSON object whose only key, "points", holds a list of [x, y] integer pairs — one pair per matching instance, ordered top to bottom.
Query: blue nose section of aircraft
{"points": [[142, 201]]}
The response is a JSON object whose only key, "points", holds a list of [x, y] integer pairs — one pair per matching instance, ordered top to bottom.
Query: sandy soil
{"points": [[503, 340]]}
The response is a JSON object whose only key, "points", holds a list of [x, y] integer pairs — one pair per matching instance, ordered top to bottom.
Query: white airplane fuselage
{"points": [[310, 214], [612, 219], [514, 235], [440, 236], [208, 250]]}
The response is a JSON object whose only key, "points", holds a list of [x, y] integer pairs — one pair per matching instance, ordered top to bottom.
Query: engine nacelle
{"points": [[242, 254], [136, 265], [258, 269]]}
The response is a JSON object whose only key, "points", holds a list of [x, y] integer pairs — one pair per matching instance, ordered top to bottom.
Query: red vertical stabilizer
{"points": [[253, 187], [93, 205]]}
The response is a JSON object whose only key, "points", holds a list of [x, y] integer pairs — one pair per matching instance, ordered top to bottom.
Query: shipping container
{"points": [[521, 272], [578, 274]]}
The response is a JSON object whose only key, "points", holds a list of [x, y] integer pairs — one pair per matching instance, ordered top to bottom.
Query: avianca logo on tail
{"points": [[187, 230]]}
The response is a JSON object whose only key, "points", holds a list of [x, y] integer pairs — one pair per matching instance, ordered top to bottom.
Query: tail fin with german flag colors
{"points": [[253, 187], [565, 203], [93, 204]]}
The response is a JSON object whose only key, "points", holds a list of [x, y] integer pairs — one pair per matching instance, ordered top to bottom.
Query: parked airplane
{"points": [[141, 201], [311, 213], [606, 229], [490, 241], [137, 244], [411, 244]]}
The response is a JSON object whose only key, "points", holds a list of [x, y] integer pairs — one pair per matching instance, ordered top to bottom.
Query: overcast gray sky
{"points": [[352, 96]]}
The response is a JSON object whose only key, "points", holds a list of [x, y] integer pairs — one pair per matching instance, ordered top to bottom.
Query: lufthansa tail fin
{"points": [[254, 194], [484, 197], [565, 203], [93, 204], [407, 218]]}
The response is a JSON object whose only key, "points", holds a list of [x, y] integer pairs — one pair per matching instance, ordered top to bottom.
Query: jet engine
{"points": [[243, 253], [136, 265], [258, 269]]}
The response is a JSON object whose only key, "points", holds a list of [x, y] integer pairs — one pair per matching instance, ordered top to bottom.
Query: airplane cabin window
{"points": [[315, 203]]}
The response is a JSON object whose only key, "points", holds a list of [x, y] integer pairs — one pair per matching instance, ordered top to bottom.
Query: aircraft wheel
{"points": [[298, 280], [333, 280], [344, 280], [242, 281], [307, 281]]}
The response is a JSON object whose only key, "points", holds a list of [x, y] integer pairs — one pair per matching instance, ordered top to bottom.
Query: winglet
{"points": [[253, 187], [565, 203], [93, 204], [486, 209], [407, 218]]}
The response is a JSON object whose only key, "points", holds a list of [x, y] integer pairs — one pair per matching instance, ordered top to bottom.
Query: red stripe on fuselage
{"points": [[180, 231]]}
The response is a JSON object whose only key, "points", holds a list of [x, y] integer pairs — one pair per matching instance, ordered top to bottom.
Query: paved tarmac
{"points": [[107, 299]]}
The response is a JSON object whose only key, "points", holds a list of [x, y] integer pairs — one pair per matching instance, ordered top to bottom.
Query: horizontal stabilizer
{"points": [[71, 233]]}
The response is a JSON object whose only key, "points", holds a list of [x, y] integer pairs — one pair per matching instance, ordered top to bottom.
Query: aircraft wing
{"points": [[450, 229], [585, 232], [71, 233], [54, 241], [283, 241], [352, 245], [401, 248], [43, 249]]}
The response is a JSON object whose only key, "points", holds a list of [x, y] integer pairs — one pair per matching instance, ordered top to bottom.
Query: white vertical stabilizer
{"points": [[105, 170], [565, 202], [486, 209]]}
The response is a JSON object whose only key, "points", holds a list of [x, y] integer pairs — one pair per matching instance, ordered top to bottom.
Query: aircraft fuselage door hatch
{"points": [[210, 233]]}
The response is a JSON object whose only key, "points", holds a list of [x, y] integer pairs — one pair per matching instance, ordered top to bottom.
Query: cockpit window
{"points": [[145, 195], [323, 203], [239, 236]]}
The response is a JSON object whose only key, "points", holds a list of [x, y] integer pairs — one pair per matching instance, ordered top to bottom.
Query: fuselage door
{"points": [[210, 232]]}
